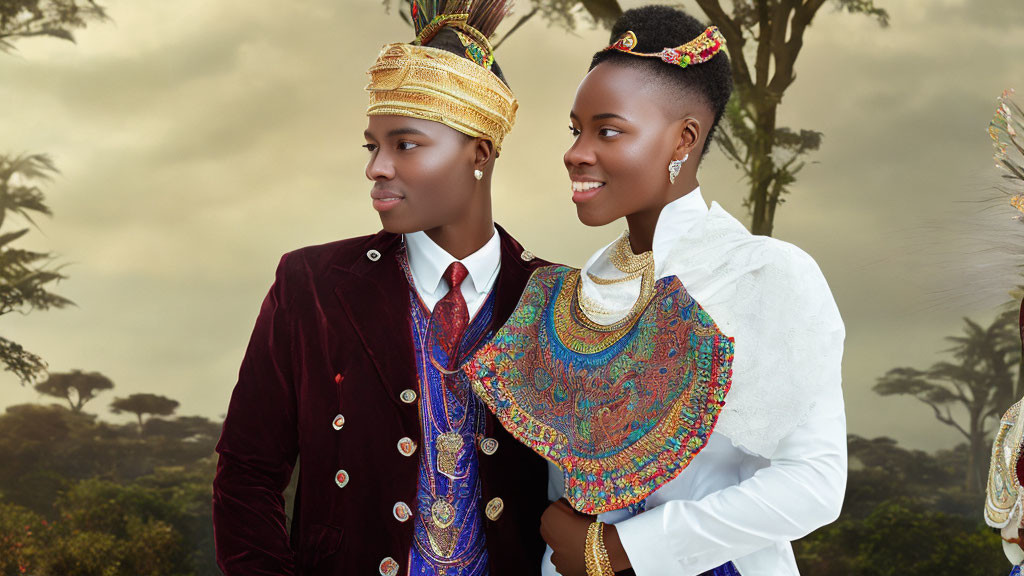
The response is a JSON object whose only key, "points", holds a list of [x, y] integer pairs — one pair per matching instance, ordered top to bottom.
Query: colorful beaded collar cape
{"points": [[620, 400]]}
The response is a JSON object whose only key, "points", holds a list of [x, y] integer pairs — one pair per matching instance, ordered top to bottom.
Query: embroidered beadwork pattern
{"points": [[696, 51], [622, 412], [1002, 493], [448, 515]]}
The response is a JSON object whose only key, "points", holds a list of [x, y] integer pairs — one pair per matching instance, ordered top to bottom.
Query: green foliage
{"points": [[866, 7], [53, 18], [25, 276], [82, 496], [141, 501], [906, 514], [139, 519], [903, 538], [23, 539], [83, 554]]}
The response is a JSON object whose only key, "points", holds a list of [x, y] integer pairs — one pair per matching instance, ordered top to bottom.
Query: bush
{"points": [[24, 537]]}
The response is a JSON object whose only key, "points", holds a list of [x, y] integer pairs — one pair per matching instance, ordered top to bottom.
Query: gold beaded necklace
{"points": [[632, 266]]}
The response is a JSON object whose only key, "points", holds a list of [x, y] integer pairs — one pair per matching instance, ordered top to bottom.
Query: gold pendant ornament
{"points": [[449, 446], [442, 513], [441, 535]]}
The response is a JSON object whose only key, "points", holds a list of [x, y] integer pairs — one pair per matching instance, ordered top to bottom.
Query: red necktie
{"points": [[451, 315]]}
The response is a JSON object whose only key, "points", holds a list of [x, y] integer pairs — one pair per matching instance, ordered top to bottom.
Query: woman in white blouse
{"points": [[749, 477]]}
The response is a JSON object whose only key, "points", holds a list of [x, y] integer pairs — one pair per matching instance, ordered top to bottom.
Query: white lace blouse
{"points": [[775, 467]]}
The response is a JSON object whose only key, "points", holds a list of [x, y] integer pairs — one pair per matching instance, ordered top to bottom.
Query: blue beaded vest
{"points": [[448, 536]]}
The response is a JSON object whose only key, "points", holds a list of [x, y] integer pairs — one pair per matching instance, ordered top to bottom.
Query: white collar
{"points": [[677, 218], [428, 261]]}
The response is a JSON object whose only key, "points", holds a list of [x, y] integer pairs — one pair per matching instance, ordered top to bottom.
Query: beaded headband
{"points": [[696, 51]]}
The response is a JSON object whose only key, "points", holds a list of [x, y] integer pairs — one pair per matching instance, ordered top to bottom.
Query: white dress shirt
{"points": [[428, 261], [775, 467]]}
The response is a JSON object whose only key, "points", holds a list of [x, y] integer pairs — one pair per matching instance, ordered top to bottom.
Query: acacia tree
{"points": [[979, 382], [76, 387], [142, 404]]}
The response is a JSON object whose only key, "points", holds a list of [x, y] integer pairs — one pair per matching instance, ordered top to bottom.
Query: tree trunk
{"points": [[762, 170], [4, 185], [975, 453], [977, 466]]}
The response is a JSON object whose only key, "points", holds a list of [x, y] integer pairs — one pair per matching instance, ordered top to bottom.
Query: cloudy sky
{"points": [[198, 141]]}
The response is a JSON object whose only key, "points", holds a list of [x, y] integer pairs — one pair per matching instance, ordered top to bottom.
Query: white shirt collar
{"points": [[677, 218], [428, 261]]}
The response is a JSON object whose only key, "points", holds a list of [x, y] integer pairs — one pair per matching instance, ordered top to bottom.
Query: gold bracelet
{"points": [[596, 556]]}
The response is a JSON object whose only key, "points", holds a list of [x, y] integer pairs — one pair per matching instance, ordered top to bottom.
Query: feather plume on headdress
{"points": [[482, 15], [473, 20], [1007, 132], [984, 258], [1004, 495]]}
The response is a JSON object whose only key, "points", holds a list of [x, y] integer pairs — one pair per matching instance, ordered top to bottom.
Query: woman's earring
{"points": [[674, 167], [478, 174]]}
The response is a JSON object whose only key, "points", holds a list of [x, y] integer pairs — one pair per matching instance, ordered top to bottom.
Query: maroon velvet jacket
{"points": [[334, 337]]}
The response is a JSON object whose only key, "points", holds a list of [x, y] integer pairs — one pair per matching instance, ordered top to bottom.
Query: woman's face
{"points": [[624, 141], [422, 173]]}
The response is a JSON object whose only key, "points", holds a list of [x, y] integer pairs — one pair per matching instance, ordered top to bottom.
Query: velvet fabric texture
{"points": [[333, 337]]}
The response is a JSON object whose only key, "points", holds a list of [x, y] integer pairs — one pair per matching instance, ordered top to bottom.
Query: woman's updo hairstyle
{"points": [[659, 27]]}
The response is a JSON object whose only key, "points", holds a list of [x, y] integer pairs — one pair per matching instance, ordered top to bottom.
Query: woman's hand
{"points": [[565, 531]]}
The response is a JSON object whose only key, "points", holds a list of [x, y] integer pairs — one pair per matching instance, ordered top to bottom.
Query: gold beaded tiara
{"points": [[696, 51], [431, 84]]}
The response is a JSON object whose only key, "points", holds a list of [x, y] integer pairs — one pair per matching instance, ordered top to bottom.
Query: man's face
{"points": [[422, 173]]}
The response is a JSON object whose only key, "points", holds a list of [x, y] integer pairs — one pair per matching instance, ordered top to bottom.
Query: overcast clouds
{"points": [[200, 140]]}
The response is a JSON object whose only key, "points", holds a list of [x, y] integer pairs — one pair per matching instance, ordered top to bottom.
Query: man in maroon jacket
{"points": [[353, 363]]}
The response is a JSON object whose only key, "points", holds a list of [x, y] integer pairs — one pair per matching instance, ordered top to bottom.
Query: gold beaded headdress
{"points": [[696, 51], [431, 84]]}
